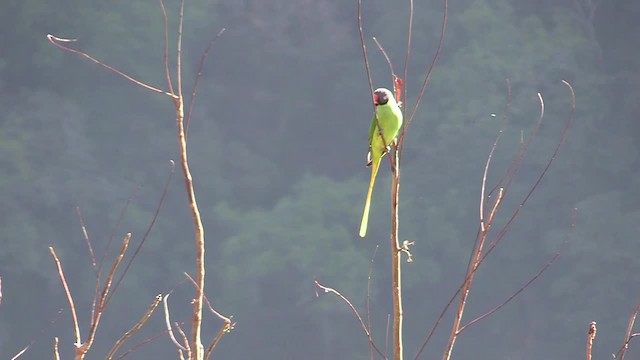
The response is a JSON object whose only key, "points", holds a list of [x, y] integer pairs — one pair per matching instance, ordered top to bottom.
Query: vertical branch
{"points": [[395, 260], [196, 327]]}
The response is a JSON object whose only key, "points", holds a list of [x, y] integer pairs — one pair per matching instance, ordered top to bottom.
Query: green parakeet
{"points": [[390, 119]]}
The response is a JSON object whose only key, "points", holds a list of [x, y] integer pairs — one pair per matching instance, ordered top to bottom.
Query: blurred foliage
{"points": [[277, 147]]}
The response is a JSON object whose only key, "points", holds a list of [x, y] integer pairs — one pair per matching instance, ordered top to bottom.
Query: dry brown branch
{"points": [[55, 41], [353, 309], [74, 316], [135, 328], [591, 335]]}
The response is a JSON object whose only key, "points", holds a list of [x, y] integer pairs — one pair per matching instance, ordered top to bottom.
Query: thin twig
{"points": [[56, 42], [364, 52], [408, 54], [386, 57], [203, 58], [167, 73], [427, 77], [115, 228], [146, 233], [85, 235], [355, 312], [74, 316], [135, 328]]}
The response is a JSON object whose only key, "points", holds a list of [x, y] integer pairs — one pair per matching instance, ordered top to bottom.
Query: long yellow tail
{"points": [[365, 216]]}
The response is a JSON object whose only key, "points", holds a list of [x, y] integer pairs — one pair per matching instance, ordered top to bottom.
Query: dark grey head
{"points": [[381, 96]]}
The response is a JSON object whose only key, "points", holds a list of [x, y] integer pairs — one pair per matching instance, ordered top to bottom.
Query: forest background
{"points": [[277, 149]]}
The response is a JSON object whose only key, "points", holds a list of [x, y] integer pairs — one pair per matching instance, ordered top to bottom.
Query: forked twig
{"points": [[355, 312]]}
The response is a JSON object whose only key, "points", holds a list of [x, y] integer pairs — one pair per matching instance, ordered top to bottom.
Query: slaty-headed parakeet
{"points": [[389, 117]]}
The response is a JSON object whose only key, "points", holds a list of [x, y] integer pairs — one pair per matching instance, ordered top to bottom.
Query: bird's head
{"points": [[382, 96]]}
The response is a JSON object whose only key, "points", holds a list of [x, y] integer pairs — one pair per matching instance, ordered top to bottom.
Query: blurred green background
{"points": [[277, 149]]}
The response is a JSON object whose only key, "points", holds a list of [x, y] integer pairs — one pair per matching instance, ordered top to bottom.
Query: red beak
{"points": [[375, 99]]}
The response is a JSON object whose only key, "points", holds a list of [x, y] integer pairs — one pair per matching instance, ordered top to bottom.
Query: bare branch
{"points": [[56, 41], [386, 57], [167, 73], [197, 80], [68, 294]]}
